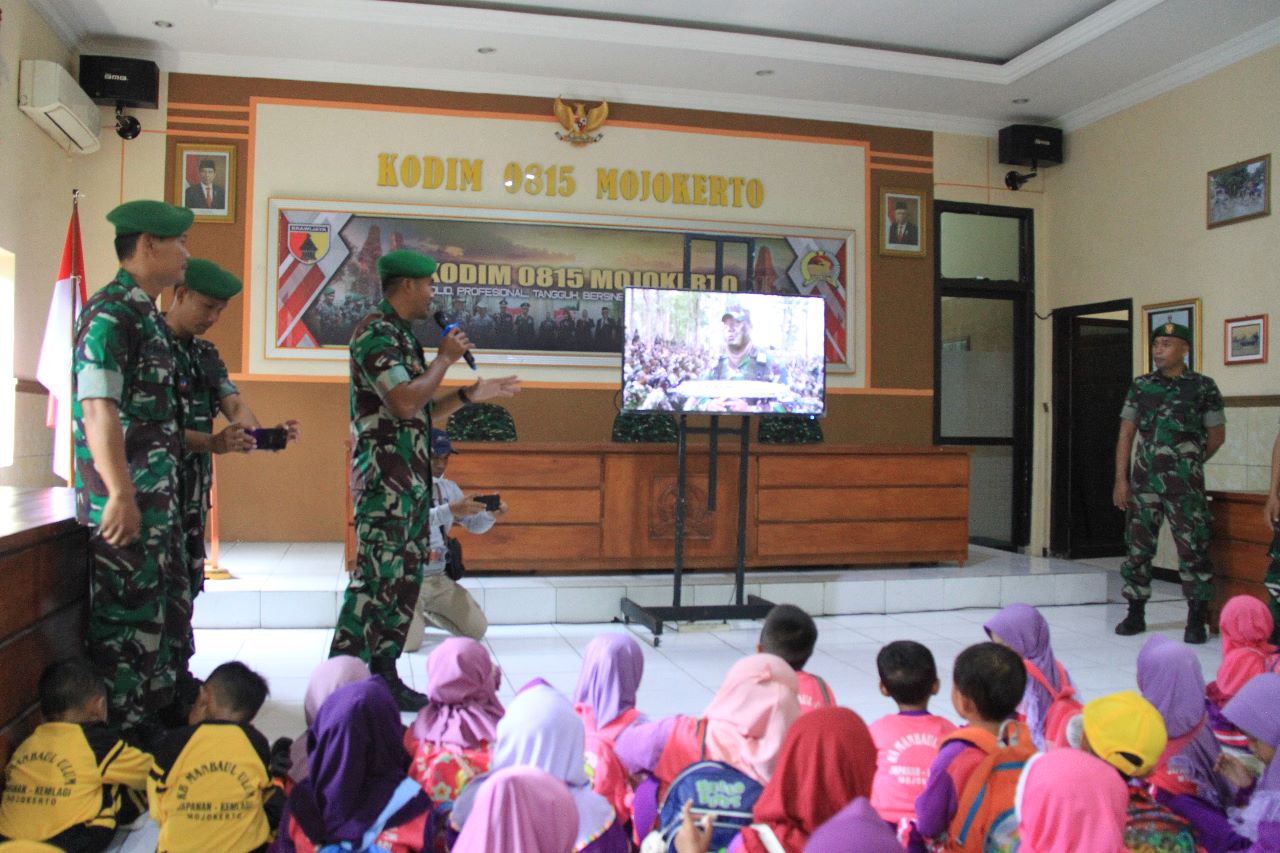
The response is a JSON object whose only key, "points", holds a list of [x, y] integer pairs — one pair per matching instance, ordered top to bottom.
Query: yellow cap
{"points": [[1126, 731]]}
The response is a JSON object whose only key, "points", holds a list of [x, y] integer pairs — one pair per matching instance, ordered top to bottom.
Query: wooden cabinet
{"points": [[601, 507], [1241, 539]]}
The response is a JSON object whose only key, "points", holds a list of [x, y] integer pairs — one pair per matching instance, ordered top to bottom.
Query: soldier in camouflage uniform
{"points": [[742, 359], [206, 391], [393, 397], [1179, 416], [128, 447], [1272, 513]]}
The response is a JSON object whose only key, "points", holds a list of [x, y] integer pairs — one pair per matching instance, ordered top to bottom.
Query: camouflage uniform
{"points": [[124, 353], [203, 384], [1172, 417], [391, 485], [1272, 579]]}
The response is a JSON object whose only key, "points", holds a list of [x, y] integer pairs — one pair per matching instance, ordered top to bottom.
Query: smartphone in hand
{"points": [[270, 438], [492, 503]]}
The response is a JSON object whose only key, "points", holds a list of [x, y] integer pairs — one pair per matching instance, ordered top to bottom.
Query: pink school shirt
{"points": [[814, 693], [906, 745]]}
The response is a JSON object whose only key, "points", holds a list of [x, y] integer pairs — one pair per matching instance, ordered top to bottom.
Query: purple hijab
{"points": [[1023, 629], [611, 670], [1170, 677], [325, 678], [462, 686], [1255, 710], [357, 757], [520, 810], [856, 827]]}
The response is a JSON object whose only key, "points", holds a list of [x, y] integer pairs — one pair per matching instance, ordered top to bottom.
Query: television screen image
{"points": [[723, 353]]}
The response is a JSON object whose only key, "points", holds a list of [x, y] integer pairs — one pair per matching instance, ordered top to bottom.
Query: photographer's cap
{"points": [[145, 216], [403, 263], [210, 279], [1171, 330], [440, 444]]}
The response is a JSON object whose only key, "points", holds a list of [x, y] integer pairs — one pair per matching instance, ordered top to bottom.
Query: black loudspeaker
{"points": [[114, 80], [1025, 144]]}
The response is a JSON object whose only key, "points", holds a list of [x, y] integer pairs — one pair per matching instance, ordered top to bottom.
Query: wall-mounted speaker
{"points": [[116, 81], [1027, 144]]}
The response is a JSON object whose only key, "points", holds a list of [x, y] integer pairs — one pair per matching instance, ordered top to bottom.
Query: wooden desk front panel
{"points": [[601, 507], [1241, 538]]}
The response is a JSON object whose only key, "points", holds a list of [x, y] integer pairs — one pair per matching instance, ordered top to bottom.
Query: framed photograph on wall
{"points": [[206, 181], [1238, 192], [903, 218], [1182, 312], [1245, 340]]}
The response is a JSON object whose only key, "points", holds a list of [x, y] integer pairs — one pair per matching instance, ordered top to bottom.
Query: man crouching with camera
{"points": [[443, 601]]}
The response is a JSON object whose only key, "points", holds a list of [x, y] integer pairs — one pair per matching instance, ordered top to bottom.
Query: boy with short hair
{"points": [[791, 634], [987, 684], [906, 742], [71, 782], [211, 788]]}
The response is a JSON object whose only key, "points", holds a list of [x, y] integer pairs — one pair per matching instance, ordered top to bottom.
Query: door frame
{"points": [[1022, 294], [1060, 442]]}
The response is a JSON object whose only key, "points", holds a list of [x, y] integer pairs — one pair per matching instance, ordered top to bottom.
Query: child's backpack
{"points": [[1062, 706], [608, 777], [714, 787], [986, 820], [1152, 827]]}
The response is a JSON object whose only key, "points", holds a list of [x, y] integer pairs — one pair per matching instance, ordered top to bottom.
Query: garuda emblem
{"points": [[579, 122]]}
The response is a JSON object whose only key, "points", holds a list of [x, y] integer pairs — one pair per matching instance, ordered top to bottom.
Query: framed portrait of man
{"points": [[206, 181], [903, 217], [1182, 312]]}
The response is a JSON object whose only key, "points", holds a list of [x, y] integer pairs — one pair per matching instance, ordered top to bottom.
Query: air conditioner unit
{"points": [[50, 95]]}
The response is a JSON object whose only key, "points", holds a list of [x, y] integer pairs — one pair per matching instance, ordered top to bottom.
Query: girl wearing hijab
{"points": [[1246, 625], [1023, 629], [325, 679], [605, 700], [1253, 710], [744, 727], [541, 730], [449, 741], [827, 761], [1184, 779], [358, 793], [1069, 801], [521, 810], [856, 828]]}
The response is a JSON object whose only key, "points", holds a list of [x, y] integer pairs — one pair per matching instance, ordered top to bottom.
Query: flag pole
{"points": [[75, 290]]}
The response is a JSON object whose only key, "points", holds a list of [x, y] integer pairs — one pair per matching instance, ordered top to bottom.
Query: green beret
{"points": [[150, 217], [403, 262], [210, 279], [1171, 330]]}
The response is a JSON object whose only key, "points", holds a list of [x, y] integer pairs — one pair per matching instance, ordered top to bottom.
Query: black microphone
{"points": [[446, 327]]}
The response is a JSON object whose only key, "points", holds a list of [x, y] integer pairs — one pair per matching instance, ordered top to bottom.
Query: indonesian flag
{"points": [[53, 370]]}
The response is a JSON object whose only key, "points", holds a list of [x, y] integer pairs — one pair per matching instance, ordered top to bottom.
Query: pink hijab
{"points": [[1246, 625], [325, 680], [462, 689], [748, 719], [1069, 801], [520, 810]]}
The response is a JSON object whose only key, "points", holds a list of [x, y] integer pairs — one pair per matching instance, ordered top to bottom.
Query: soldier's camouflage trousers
{"points": [[1189, 522], [391, 538], [1272, 580], [188, 581], [129, 616]]}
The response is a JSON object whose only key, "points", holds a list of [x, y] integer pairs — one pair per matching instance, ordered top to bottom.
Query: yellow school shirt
{"points": [[64, 775], [211, 791]]}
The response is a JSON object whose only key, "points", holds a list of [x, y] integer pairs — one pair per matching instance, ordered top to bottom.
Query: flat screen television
{"points": [[723, 353]]}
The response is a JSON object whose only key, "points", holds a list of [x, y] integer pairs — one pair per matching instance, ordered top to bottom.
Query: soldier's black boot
{"points": [[1136, 620], [1197, 631], [407, 699]]}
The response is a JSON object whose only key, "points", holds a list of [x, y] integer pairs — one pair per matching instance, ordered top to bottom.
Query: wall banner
{"points": [[529, 287]]}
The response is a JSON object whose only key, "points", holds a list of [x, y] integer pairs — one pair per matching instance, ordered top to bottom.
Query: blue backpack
{"points": [[714, 787]]}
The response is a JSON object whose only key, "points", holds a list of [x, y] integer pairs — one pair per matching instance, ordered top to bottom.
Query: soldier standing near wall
{"points": [[1179, 416]]}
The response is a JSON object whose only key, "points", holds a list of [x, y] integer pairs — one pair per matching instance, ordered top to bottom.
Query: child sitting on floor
{"points": [[1246, 625], [791, 634], [988, 682], [605, 701], [1050, 701], [1253, 711], [906, 742], [72, 781], [211, 788]]}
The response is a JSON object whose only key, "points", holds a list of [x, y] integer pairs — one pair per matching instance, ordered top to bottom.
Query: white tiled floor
{"points": [[683, 673]]}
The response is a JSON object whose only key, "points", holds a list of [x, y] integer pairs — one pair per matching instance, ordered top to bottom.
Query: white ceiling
{"points": [[950, 65]]}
